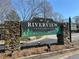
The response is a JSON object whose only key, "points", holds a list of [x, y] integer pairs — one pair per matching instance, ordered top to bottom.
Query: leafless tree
{"points": [[5, 8], [34, 8], [46, 9], [12, 16], [58, 17], [76, 19]]}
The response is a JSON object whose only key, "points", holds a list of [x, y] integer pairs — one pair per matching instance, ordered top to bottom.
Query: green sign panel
{"points": [[38, 26]]}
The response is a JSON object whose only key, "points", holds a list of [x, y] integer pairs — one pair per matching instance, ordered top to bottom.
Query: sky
{"points": [[68, 8]]}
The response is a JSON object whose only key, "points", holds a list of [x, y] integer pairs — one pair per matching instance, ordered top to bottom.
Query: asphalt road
{"points": [[75, 37], [42, 42], [2, 47], [67, 55], [73, 57]]}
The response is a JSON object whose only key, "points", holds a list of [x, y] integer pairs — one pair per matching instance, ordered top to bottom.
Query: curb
{"points": [[39, 56]]}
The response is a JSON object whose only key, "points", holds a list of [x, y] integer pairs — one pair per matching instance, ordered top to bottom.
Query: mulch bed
{"points": [[32, 51]]}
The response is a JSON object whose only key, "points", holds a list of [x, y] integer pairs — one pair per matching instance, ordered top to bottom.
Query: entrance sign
{"points": [[38, 26]]}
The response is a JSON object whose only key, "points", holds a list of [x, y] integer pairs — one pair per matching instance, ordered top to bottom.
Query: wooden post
{"points": [[70, 29]]}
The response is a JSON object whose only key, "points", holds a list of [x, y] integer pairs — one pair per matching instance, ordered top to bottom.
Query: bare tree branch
{"points": [[5, 8], [33, 8]]}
